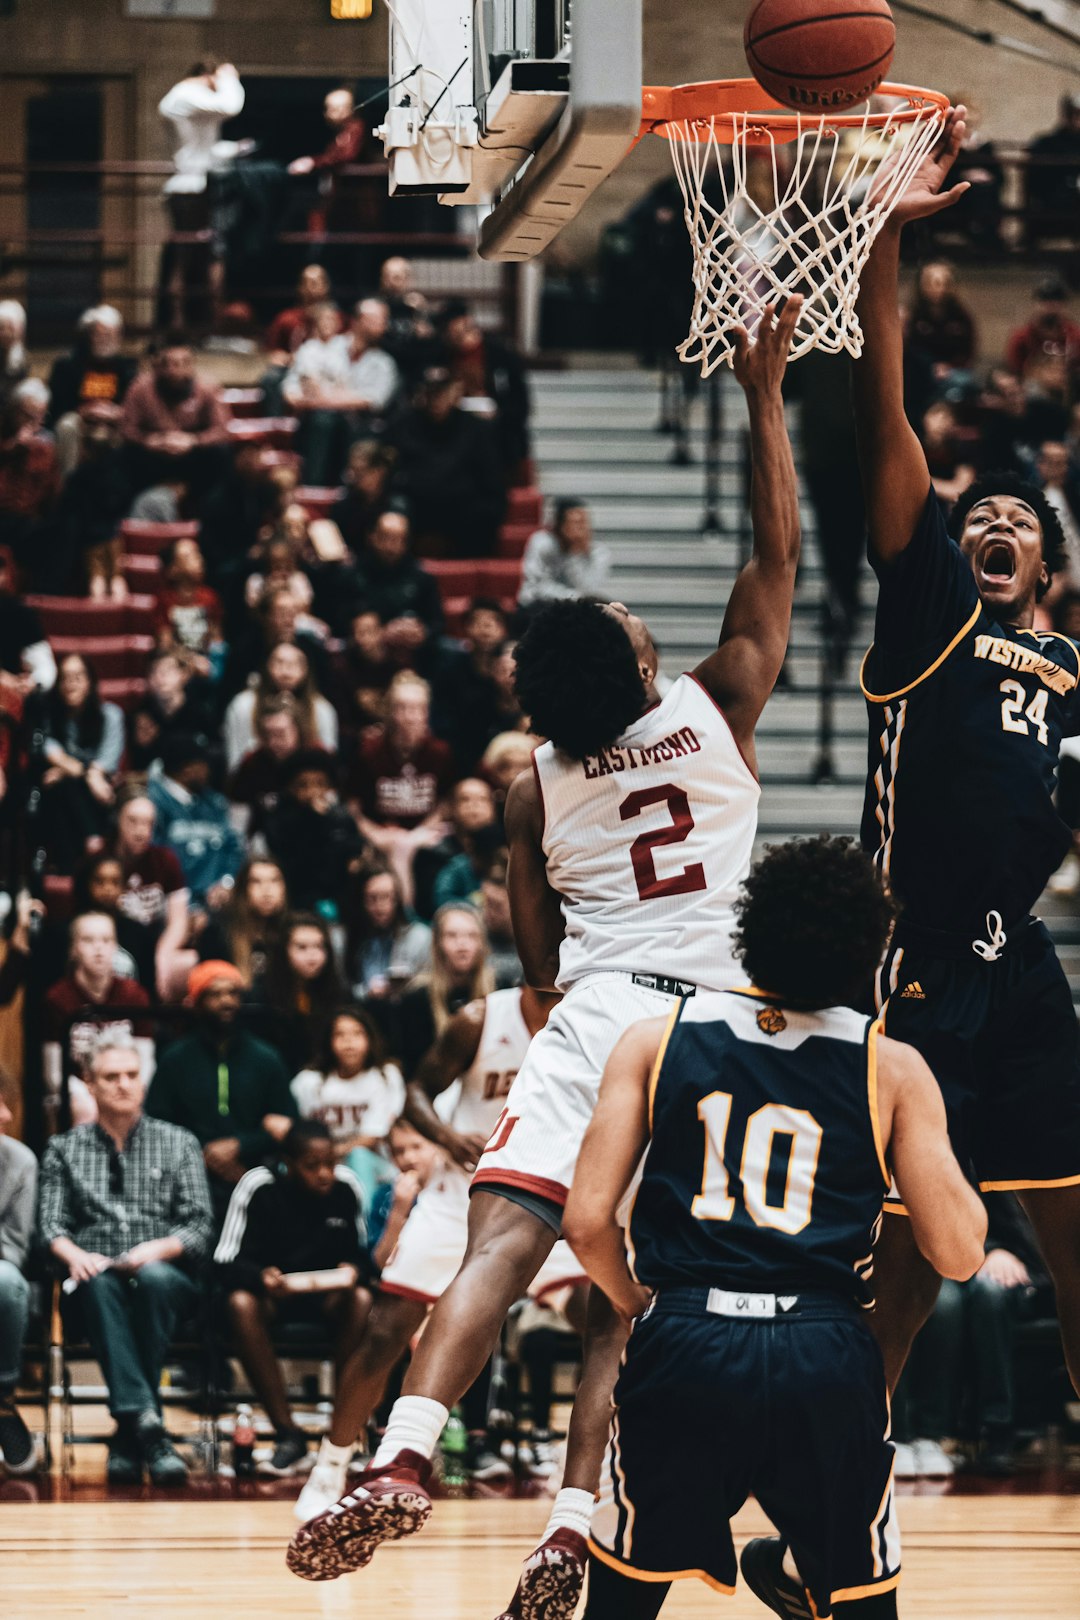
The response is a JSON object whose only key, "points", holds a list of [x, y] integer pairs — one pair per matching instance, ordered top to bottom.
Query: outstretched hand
{"points": [[924, 195], [760, 362]]}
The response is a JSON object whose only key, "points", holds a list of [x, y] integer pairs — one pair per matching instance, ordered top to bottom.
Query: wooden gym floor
{"points": [[991, 1557]]}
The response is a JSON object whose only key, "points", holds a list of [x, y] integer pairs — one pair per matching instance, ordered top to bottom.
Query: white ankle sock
{"points": [[415, 1425], [330, 1453], [573, 1510]]}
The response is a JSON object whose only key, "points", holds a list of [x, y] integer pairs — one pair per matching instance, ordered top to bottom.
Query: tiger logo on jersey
{"points": [[771, 1021]]}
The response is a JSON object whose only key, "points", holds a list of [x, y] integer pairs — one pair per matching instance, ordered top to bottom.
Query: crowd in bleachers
{"points": [[258, 727]]}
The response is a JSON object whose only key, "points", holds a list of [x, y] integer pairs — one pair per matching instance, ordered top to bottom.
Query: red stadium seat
{"points": [[243, 402], [276, 431], [316, 500], [525, 506], [514, 537], [148, 539], [143, 574], [499, 577], [456, 580], [80, 616], [111, 657], [125, 692], [58, 893]]}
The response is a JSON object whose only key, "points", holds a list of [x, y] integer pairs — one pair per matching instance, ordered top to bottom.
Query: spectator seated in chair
{"points": [[291, 328], [1050, 333], [487, 368], [88, 385], [340, 385], [175, 423], [449, 471], [29, 479], [367, 481], [564, 562], [391, 583], [188, 615], [287, 669], [468, 698], [177, 703], [84, 744], [401, 779], [255, 785], [472, 812], [194, 822], [310, 832], [99, 886], [154, 893], [248, 930], [385, 948], [91, 987], [293, 1002], [228, 1089], [356, 1093], [18, 1204], [124, 1209], [293, 1250]]}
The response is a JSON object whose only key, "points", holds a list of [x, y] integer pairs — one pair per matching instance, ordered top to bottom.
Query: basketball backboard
{"points": [[525, 106]]}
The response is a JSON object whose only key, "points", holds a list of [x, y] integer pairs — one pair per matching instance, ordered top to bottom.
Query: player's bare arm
{"points": [[896, 478], [743, 670], [535, 908], [453, 1053], [610, 1154], [948, 1220]]}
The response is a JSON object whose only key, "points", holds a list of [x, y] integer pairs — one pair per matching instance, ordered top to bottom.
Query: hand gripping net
{"points": [[791, 203]]}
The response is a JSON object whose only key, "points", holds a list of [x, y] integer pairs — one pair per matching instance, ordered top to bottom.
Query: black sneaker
{"points": [[16, 1442], [290, 1449], [164, 1463], [485, 1464], [124, 1466], [762, 1566]]}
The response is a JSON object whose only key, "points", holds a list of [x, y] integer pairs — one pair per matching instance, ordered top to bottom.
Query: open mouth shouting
{"points": [[996, 564]]}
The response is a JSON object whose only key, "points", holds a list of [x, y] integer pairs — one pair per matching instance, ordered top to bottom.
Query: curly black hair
{"points": [[1010, 483], [577, 677], [813, 921]]}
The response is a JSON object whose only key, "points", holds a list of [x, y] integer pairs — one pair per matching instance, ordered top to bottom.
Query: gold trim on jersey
{"points": [[890, 697], [876, 1029], [661, 1053], [654, 1078], [1028, 1186], [612, 1562]]}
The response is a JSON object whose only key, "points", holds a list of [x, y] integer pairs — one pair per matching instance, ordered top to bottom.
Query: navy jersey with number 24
{"points": [[966, 720], [765, 1170]]}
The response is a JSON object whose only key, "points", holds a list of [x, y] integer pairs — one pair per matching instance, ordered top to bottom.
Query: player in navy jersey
{"points": [[968, 706], [771, 1121]]}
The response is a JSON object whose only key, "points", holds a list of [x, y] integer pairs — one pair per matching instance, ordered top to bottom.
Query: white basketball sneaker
{"points": [[326, 1484]]}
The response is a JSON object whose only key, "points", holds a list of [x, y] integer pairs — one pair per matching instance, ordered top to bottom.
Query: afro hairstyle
{"points": [[1010, 483], [577, 676], [813, 921]]}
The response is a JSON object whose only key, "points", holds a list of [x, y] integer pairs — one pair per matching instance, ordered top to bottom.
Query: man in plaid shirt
{"points": [[124, 1206]]}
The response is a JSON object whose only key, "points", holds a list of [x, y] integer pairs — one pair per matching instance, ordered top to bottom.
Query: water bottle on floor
{"points": [[243, 1443], [455, 1446]]}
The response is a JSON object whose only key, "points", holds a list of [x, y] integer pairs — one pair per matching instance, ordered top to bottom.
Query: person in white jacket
{"points": [[195, 110]]}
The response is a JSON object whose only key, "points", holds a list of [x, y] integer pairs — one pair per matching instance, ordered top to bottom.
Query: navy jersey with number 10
{"points": [[765, 1170]]}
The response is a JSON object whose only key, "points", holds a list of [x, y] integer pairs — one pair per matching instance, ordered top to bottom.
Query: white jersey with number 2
{"points": [[648, 842]]}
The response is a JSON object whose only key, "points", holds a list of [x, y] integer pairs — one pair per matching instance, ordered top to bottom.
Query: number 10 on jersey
{"points": [[760, 1153]]}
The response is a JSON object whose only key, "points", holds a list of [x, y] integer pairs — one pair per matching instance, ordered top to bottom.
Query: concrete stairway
{"points": [[595, 437]]}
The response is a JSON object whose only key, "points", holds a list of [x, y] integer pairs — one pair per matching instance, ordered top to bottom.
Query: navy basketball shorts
{"points": [[1001, 1038], [791, 1408]]}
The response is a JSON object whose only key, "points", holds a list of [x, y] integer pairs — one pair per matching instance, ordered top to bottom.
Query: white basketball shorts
{"points": [[536, 1142], [432, 1246]]}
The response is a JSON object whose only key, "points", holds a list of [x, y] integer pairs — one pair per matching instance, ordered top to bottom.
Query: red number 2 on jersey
{"points": [[649, 884]]}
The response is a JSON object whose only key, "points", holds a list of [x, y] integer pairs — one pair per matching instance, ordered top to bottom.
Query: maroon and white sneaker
{"points": [[387, 1504], [551, 1579]]}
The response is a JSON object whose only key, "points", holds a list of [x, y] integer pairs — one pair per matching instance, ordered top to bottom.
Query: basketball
{"points": [[820, 55]]}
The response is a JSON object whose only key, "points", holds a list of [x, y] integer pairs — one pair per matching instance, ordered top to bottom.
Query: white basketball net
{"points": [[808, 231]]}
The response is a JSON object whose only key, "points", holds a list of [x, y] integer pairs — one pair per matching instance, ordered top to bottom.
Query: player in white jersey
{"points": [[627, 847], [483, 1046]]}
